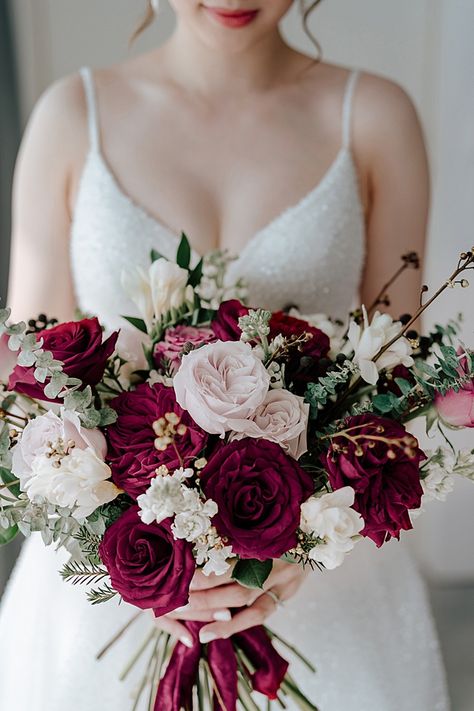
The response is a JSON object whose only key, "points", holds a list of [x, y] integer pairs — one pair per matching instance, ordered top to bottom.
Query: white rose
{"points": [[368, 341], [221, 384], [281, 418], [44, 431], [79, 480], [331, 518]]}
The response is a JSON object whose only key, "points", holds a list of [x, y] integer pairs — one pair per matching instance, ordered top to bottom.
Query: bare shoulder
{"points": [[57, 128]]}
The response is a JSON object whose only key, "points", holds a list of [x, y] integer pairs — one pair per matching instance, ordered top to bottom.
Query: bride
{"points": [[316, 176]]}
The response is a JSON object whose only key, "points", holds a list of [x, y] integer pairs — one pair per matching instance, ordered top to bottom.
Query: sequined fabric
{"points": [[366, 626]]}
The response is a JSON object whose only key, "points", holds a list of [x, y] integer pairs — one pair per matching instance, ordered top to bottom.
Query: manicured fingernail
{"points": [[222, 615], [206, 637], [187, 641]]}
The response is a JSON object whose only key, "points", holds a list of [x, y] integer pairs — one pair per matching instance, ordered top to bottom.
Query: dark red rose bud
{"points": [[226, 322]]}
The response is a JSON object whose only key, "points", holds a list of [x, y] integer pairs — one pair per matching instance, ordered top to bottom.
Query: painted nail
{"points": [[222, 615], [205, 637], [187, 641]]}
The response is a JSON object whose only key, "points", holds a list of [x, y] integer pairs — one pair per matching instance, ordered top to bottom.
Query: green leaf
{"points": [[154, 255], [183, 255], [196, 275], [137, 322], [404, 385], [384, 403], [431, 418], [6, 477], [8, 534], [252, 573]]}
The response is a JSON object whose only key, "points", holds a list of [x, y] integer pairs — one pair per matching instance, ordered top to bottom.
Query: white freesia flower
{"points": [[156, 291], [367, 341], [78, 480], [331, 518]]}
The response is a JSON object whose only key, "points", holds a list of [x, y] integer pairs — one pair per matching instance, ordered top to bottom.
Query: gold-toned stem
{"points": [[383, 290], [9, 484]]}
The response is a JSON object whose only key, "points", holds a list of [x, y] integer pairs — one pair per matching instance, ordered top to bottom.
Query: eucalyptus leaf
{"points": [[183, 255], [404, 385], [384, 403], [6, 477], [8, 534], [252, 573]]}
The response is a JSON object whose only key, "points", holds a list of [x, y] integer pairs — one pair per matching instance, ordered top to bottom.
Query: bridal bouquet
{"points": [[243, 437]]}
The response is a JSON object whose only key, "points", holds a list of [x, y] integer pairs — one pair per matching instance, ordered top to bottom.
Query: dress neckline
{"points": [[94, 153]]}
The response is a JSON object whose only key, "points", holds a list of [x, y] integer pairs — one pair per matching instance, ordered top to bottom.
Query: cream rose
{"points": [[220, 385], [282, 418]]}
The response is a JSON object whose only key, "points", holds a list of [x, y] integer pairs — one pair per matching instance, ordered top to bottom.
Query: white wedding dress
{"points": [[366, 626]]}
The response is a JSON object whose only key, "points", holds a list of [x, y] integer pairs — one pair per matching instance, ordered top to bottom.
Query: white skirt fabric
{"points": [[367, 627]]}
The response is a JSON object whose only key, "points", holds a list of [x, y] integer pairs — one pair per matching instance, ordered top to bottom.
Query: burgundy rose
{"points": [[226, 322], [175, 339], [78, 344], [305, 364], [132, 453], [381, 462], [259, 491], [147, 566]]}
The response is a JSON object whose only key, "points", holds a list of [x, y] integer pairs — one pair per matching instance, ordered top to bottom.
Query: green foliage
{"points": [[154, 255], [183, 255], [196, 275], [137, 322], [317, 394], [7, 477], [8, 534], [89, 544], [80, 573], [252, 573], [102, 594]]}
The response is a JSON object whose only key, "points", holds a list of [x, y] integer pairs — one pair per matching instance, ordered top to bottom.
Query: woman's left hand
{"points": [[210, 593]]}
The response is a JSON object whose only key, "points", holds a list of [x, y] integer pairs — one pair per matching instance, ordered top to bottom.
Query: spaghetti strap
{"points": [[347, 108], [92, 115]]}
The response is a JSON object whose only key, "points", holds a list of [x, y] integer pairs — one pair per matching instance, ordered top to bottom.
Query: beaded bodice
{"points": [[311, 255]]}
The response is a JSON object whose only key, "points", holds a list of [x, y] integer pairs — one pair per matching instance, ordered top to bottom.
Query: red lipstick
{"points": [[232, 18]]}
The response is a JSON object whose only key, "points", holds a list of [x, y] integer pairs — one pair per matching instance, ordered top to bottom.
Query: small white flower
{"points": [[366, 342], [438, 484], [163, 498], [331, 518], [191, 525], [217, 561]]}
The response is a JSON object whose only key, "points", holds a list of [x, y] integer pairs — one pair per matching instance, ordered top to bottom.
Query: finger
{"points": [[203, 582], [224, 596], [188, 613], [251, 616], [175, 629]]}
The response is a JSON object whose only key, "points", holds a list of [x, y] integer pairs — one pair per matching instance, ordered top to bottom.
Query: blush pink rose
{"points": [[175, 339], [220, 385], [457, 408], [282, 418]]}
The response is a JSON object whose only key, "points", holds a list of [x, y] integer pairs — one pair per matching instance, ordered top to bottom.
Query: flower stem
{"points": [[118, 635]]}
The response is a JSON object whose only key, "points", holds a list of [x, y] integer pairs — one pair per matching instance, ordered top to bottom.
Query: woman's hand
{"points": [[212, 596]]}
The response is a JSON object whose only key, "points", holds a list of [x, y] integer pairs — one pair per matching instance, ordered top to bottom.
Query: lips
{"points": [[231, 18]]}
